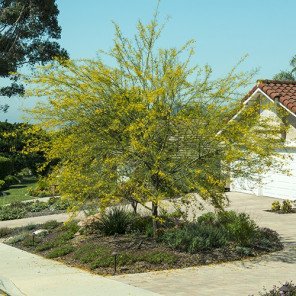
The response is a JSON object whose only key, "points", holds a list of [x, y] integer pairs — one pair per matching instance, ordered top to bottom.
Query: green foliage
{"points": [[29, 30], [288, 75], [144, 129], [14, 139], [5, 167], [11, 180], [2, 185], [41, 189], [59, 204], [37, 206], [275, 206], [287, 206], [10, 213], [115, 221], [50, 225], [219, 230], [5, 231], [194, 238], [45, 246], [60, 251], [158, 257], [290, 290]]}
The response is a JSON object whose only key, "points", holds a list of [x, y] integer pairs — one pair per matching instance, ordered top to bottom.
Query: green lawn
{"points": [[18, 192]]}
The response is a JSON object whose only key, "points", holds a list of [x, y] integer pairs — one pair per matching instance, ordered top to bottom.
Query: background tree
{"points": [[28, 30], [287, 75], [153, 127], [17, 143]]}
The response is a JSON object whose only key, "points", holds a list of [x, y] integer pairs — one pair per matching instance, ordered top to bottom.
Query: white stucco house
{"points": [[282, 94]]}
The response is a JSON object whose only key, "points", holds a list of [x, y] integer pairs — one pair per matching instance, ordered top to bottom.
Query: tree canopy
{"points": [[28, 33], [288, 75], [152, 127], [16, 144]]}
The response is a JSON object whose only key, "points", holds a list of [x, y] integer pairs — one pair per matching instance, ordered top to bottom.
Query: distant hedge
{"points": [[5, 167]]}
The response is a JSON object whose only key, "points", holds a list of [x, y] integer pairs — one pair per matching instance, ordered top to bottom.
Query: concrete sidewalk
{"points": [[36, 276]]}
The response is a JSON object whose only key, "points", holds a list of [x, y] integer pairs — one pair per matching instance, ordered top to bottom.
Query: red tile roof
{"points": [[284, 91]]}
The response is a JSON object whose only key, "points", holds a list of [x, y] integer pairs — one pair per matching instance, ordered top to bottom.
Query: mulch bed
{"points": [[293, 211], [139, 244]]}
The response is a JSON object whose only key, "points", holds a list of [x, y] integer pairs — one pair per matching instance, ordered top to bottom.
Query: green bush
{"points": [[5, 167], [11, 180], [2, 185], [41, 189], [58, 203], [37, 206], [275, 206], [287, 206], [10, 213], [115, 221], [51, 225], [216, 230], [5, 231], [195, 237], [45, 246], [60, 251], [157, 257], [289, 287]]}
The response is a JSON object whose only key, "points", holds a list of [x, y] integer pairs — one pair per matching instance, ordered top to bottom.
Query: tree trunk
{"points": [[134, 206], [154, 220]]}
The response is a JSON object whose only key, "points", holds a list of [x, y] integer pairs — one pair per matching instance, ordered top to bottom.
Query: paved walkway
{"points": [[37, 220], [37, 276], [235, 278]]}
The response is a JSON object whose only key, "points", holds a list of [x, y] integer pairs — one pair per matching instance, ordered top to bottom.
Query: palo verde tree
{"points": [[28, 33], [150, 128]]}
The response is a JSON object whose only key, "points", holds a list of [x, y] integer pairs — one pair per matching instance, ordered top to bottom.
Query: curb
{"points": [[9, 288]]}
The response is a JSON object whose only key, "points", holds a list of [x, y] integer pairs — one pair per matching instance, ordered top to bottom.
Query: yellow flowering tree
{"points": [[148, 128]]}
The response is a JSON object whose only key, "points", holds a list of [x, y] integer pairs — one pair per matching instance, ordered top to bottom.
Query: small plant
{"points": [[2, 185], [37, 206], [276, 206], [287, 206], [10, 213], [116, 221], [51, 225], [5, 231], [60, 251], [288, 289]]}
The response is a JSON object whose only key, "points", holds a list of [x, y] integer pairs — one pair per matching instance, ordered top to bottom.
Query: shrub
{"points": [[5, 167], [11, 180], [2, 185], [41, 189], [59, 204], [37, 206], [275, 206], [287, 206], [10, 213], [115, 221], [51, 225], [240, 227], [216, 230], [5, 231], [195, 237], [16, 239], [266, 239], [45, 246], [60, 251], [157, 257], [289, 287]]}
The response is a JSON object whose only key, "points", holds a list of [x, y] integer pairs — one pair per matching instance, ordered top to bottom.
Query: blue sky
{"points": [[224, 31]]}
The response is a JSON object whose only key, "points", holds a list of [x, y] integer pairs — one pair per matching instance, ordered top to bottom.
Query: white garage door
{"points": [[274, 184], [280, 185]]}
